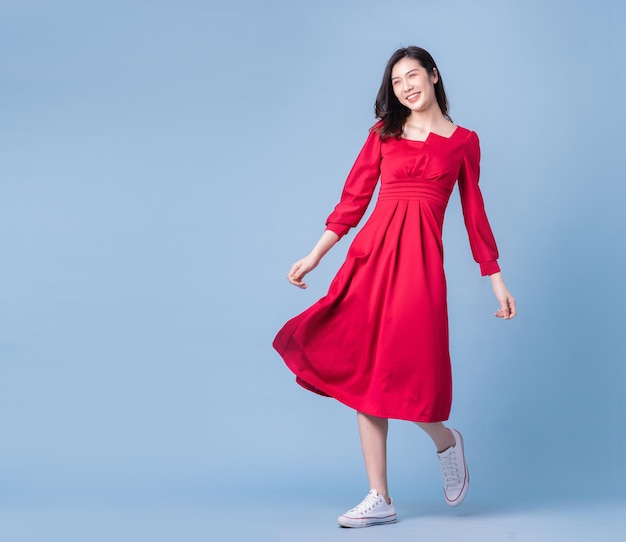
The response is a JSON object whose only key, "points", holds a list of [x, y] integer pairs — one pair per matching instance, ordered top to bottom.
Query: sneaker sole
{"points": [[460, 498], [355, 523]]}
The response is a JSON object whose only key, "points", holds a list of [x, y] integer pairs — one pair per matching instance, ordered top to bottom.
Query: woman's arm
{"points": [[358, 188], [355, 197], [482, 242], [308, 263], [507, 308]]}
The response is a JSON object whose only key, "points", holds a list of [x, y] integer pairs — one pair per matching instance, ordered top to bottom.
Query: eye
{"points": [[413, 75], [395, 82]]}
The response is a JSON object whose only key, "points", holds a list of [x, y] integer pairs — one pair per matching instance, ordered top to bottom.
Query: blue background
{"points": [[164, 163]]}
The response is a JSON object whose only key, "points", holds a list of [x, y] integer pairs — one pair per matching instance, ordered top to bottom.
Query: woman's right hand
{"points": [[310, 262], [300, 269]]}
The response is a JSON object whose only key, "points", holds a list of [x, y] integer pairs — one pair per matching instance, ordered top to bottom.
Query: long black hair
{"points": [[388, 108]]}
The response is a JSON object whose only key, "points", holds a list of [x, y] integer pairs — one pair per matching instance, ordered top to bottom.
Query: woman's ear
{"points": [[435, 76]]}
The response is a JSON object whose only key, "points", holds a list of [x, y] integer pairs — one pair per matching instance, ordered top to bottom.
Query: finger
{"points": [[294, 269], [295, 273], [296, 280], [299, 283], [504, 308], [513, 308]]}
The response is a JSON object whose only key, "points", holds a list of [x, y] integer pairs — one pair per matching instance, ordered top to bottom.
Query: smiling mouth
{"points": [[412, 97]]}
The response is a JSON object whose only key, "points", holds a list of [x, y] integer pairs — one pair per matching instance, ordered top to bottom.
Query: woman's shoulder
{"points": [[377, 127], [465, 132], [374, 133], [467, 139]]}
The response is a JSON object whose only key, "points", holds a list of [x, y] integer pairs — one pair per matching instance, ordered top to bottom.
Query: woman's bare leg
{"points": [[373, 432], [441, 435]]}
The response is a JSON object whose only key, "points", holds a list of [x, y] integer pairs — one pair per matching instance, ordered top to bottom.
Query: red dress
{"points": [[378, 341]]}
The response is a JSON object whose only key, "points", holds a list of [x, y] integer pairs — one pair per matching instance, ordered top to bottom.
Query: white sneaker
{"points": [[454, 471], [372, 510]]}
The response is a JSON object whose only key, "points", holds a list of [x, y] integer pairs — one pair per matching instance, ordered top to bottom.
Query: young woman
{"points": [[378, 341]]}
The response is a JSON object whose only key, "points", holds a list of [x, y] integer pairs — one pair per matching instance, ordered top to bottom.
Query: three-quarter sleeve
{"points": [[359, 187], [482, 241]]}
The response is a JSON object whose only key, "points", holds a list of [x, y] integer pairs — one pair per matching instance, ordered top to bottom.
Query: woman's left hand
{"points": [[507, 308]]}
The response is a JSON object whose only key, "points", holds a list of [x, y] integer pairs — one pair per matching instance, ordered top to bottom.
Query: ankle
{"points": [[447, 443], [384, 494]]}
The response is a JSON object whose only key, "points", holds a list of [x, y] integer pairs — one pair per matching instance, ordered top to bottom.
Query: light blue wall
{"points": [[163, 163]]}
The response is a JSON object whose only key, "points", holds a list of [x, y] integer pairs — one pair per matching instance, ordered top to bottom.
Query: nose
{"points": [[406, 85]]}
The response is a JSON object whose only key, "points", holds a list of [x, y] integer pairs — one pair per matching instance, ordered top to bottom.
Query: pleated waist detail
{"points": [[411, 190]]}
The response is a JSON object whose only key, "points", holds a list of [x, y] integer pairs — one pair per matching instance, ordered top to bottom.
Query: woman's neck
{"points": [[427, 120], [418, 125]]}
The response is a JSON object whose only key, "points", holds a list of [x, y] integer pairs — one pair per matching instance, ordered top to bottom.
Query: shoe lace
{"points": [[449, 470], [367, 504]]}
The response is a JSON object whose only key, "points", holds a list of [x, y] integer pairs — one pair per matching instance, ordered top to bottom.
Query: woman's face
{"points": [[413, 85]]}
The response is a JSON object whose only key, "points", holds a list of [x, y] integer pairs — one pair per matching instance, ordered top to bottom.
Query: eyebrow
{"points": [[407, 73]]}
